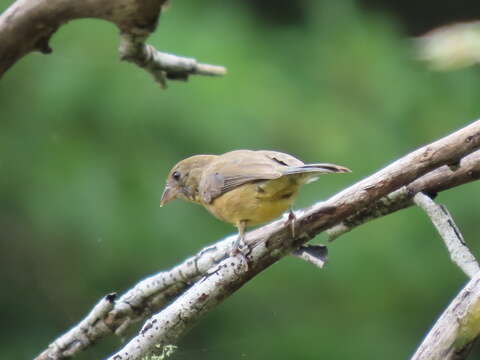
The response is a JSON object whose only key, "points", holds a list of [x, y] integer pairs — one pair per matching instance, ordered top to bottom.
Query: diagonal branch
{"points": [[27, 26], [432, 183], [451, 235], [269, 243], [165, 327], [81, 330]]}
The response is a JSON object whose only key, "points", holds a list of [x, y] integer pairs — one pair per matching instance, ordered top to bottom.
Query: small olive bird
{"points": [[243, 187]]}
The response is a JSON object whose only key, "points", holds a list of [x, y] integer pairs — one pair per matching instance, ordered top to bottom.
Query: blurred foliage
{"points": [[451, 47], [86, 142]]}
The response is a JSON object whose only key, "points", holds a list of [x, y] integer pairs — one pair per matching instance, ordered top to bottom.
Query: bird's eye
{"points": [[176, 175]]}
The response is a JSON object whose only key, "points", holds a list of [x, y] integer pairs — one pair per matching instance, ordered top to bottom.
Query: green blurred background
{"points": [[86, 142]]}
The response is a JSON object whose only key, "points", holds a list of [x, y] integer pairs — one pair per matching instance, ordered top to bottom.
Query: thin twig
{"points": [[162, 65], [451, 235]]}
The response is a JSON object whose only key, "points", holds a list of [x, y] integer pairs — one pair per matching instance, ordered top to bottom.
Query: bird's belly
{"points": [[248, 203]]}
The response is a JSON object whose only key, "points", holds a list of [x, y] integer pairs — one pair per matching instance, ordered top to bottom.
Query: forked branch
{"points": [[271, 242]]}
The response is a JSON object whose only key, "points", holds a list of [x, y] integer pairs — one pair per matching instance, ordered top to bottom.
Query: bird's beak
{"points": [[168, 195]]}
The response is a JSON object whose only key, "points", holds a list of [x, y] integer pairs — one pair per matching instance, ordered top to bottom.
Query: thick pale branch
{"points": [[447, 151], [432, 183], [451, 235], [273, 241], [141, 301], [167, 326], [455, 331], [63, 345]]}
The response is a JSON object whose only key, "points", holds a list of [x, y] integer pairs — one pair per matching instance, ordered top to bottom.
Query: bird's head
{"points": [[183, 179]]}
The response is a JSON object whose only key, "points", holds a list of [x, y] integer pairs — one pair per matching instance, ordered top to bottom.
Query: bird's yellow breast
{"points": [[256, 202]]}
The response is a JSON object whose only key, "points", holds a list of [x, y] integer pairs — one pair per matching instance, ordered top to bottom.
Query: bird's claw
{"points": [[291, 222], [240, 248]]}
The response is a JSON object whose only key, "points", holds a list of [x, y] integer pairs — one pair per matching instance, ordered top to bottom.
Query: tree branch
{"points": [[27, 26], [161, 65], [432, 183], [451, 235], [273, 241], [145, 298], [165, 327], [81, 331], [455, 331], [453, 334]]}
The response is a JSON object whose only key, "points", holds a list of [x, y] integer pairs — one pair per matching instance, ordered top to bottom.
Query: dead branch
{"points": [[27, 26], [271, 242]]}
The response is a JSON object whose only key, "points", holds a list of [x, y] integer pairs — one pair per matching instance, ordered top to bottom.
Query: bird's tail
{"points": [[316, 169], [311, 172]]}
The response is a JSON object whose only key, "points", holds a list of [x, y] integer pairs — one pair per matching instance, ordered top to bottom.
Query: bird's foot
{"points": [[291, 219], [239, 248]]}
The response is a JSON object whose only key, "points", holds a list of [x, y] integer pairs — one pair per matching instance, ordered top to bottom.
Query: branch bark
{"points": [[27, 26], [441, 179], [451, 235], [271, 242], [82, 330], [455, 331]]}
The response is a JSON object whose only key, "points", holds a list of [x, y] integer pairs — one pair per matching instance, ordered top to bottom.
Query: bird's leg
{"points": [[291, 221], [238, 246]]}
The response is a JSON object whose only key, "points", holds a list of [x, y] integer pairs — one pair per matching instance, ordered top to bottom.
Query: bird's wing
{"points": [[281, 159], [239, 167]]}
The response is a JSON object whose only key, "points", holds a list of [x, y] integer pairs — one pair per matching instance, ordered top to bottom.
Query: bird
{"points": [[243, 187]]}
